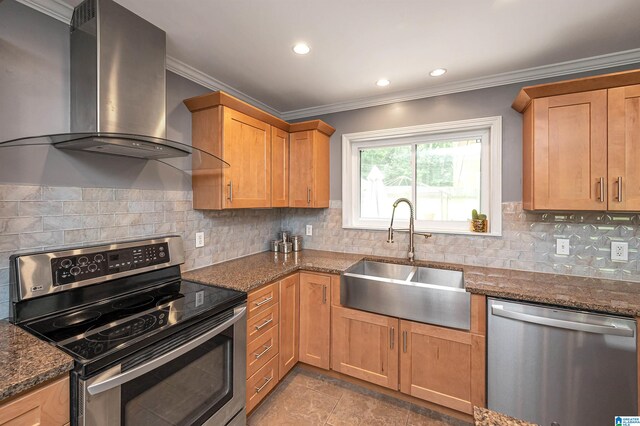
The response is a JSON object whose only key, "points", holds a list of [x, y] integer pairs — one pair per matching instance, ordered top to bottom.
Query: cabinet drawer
{"points": [[262, 299], [262, 322], [261, 350], [261, 383]]}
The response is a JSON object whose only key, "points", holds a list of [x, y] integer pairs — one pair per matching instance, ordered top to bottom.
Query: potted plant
{"points": [[478, 221]]}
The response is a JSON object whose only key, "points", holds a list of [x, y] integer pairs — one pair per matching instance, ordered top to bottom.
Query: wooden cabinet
{"points": [[580, 143], [256, 145], [246, 146], [624, 148], [565, 151], [279, 168], [309, 185], [315, 319], [289, 323], [365, 346], [441, 365], [261, 383], [47, 405]]}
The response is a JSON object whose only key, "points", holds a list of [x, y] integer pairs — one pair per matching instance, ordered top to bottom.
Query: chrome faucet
{"points": [[411, 230]]}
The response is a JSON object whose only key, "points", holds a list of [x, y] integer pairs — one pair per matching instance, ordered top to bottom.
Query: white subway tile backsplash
{"points": [[20, 192], [61, 193], [98, 194], [8, 208], [40, 208], [17, 225], [38, 240]]}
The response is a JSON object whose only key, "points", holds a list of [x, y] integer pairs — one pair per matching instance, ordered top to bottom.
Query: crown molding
{"points": [[55, 8], [63, 12], [547, 71], [190, 73]]}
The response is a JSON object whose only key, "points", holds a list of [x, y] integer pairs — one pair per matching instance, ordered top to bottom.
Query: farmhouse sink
{"points": [[428, 295]]}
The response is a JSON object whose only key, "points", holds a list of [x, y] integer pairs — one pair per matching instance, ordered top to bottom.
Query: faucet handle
{"points": [[425, 234], [390, 236]]}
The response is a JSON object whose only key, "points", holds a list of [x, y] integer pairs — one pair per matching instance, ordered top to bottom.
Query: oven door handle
{"points": [[138, 371]]}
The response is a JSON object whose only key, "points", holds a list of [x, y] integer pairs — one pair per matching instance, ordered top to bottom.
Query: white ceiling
{"points": [[246, 44]]}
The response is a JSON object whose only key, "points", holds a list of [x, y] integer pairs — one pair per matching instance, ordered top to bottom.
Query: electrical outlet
{"points": [[309, 230], [199, 239], [562, 246], [619, 251], [199, 298]]}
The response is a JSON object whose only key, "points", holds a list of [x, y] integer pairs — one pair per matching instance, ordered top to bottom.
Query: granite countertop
{"points": [[250, 272], [616, 297], [26, 361], [486, 417]]}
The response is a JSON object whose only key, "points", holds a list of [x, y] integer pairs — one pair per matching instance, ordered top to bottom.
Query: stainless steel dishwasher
{"points": [[560, 367]]}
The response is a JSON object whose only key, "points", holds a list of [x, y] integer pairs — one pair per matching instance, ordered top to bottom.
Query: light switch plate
{"points": [[309, 230], [199, 239], [562, 246], [619, 251], [199, 298]]}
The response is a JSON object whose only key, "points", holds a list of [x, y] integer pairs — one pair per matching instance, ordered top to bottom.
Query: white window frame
{"points": [[489, 128]]}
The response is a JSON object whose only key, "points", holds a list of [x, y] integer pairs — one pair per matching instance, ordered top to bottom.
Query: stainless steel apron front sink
{"points": [[429, 295]]}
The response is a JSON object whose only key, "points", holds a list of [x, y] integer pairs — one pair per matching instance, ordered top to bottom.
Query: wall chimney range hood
{"points": [[118, 90]]}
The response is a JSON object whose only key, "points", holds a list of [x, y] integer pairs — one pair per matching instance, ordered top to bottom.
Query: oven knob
{"points": [[161, 254], [98, 257], [83, 261], [66, 263], [93, 267], [75, 270]]}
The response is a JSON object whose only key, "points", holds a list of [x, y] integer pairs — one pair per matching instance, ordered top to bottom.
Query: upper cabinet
{"points": [[580, 141], [310, 165], [264, 169]]}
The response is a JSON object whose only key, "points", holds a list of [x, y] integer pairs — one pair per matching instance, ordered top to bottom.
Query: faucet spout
{"points": [[411, 254]]}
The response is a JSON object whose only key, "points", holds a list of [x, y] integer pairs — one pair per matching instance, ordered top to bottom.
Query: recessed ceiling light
{"points": [[301, 48], [437, 72], [383, 82]]}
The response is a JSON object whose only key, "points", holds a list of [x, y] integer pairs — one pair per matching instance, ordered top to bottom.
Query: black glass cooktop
{"points": [[105, 327]]}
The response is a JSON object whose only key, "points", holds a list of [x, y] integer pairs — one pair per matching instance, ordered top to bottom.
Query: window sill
{"points": [[495, 233]]}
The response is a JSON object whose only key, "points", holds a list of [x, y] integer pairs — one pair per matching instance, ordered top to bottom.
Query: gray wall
{"points": [[34, 83], [459, 106]]}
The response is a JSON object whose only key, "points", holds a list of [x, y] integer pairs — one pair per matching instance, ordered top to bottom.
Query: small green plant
{"points": [[478, 216]]}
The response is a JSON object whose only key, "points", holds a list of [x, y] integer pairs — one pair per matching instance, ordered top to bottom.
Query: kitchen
{"points": [[53, 200]]}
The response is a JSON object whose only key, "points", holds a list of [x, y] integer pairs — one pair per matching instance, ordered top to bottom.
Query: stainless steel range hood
{"points": [[118, 88]]}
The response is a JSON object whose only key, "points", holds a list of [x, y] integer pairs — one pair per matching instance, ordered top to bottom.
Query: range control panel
{"points": [[71, 269]]}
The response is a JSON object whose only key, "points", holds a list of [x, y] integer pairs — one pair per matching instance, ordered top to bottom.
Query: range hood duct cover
{"points": [[118, 77], [118, 91]]}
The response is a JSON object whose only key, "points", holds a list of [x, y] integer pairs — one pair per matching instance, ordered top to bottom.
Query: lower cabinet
{"points": [[297, 319], [315, 319], [289, 323], [273, 328], [365, 346], [442, 365], [46, 405]]}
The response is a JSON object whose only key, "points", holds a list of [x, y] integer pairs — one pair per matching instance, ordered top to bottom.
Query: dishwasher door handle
{"points": [[499, 310]]}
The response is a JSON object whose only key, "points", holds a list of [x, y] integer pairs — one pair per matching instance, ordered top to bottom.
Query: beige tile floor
{"points": [[307, 398]]}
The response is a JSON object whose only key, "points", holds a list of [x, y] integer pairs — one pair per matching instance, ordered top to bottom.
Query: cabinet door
{"points": [[247, 148], [624, 148], [569, 151], [279, 168], [302, 169], [320, 187], [315, 319], [289, 323], [365, 346], [443, 366], [47, 405]]}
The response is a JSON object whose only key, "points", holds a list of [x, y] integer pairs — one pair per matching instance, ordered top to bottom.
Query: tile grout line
{"points": [[334, 409]]}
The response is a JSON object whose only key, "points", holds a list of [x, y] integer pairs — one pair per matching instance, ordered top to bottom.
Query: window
{"points": [[445, 169]]}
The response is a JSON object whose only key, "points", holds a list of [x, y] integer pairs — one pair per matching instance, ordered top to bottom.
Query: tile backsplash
{"points": [[38, 218], [527, 243]]}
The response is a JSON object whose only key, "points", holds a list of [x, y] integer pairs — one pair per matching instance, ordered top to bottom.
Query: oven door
{"points": [[195, 377]]}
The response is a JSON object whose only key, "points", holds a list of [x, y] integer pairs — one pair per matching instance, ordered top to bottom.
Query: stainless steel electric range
{"points": [[149, 347]]}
